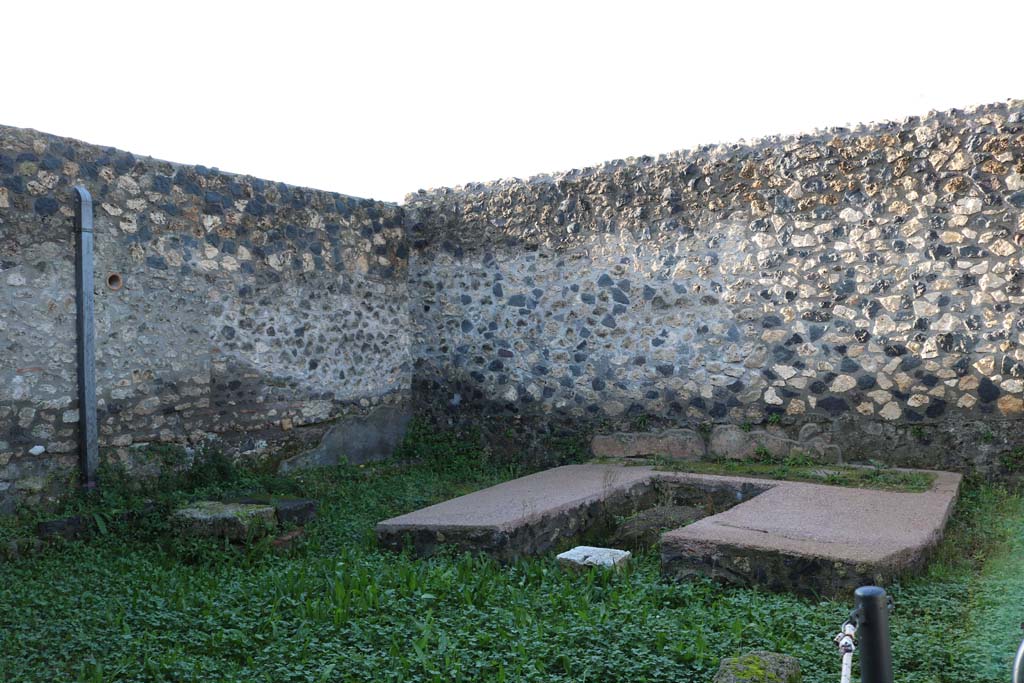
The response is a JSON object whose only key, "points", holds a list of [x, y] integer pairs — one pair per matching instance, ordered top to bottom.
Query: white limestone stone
{"points": [[585, 556]]}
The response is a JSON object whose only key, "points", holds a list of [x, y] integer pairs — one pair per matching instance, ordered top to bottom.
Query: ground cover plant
{"points": [[135, 604]]}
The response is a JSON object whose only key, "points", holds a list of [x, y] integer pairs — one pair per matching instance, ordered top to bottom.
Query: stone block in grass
{"points": [[296, 511], [233, 521], [583, 557], [759, 666]]}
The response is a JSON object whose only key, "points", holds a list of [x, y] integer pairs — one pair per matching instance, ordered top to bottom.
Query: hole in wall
{"points": [[115, 282]]}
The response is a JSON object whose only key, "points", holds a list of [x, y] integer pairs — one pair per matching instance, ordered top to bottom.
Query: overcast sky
{"points": [[379, 99]]}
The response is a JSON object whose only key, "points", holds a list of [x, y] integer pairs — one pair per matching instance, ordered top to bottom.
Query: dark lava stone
{"points": [[46, 206], [865, 382], [987, 390], [833, 405], [936, 408]]}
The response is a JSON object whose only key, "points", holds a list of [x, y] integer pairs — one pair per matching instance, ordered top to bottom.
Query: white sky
{"points": [[378, 99]]}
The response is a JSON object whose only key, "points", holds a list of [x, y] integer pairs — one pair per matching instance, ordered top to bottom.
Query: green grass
{"points": [[801, 469], [136, 605]]}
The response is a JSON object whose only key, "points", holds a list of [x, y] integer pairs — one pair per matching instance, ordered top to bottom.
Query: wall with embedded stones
{"points": [[864, 286], [850, 294], [224, 304]]}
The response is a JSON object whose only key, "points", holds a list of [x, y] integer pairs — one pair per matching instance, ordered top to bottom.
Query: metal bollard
{"points": [[872, 608]]}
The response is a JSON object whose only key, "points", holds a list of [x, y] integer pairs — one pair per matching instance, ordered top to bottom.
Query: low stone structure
{"points": [[735, 442], [676, 444], [287, 510], [525, 516], [233, 521], [808, 538], [815, 539], [759, 666]]}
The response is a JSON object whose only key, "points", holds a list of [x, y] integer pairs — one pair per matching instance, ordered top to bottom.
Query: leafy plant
{"points": [[1013, 460], [138, 604]]}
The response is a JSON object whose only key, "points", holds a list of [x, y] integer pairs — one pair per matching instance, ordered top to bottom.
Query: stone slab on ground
{"points": [[356, 439], [297, 511], [525, 516], [234, 521], [810, 538], [815, 539], [583, 557], [759, 666]]}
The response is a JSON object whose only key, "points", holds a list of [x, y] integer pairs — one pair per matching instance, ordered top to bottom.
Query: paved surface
{"points": [[784, 535]]}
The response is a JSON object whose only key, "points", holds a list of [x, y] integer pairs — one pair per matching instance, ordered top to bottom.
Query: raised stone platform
{"points": [[525, 516], [783, 535], [813, 538]]}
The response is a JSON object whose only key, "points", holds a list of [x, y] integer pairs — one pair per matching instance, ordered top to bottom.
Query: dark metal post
{"points": [[88, 441], [873, 629]]}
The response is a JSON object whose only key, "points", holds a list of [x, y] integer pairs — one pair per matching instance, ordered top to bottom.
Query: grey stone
{"points": [[808, 431], [357, 439], [731, 441], [676, 444], [297, 511], [234, 521], [583, 557], [759, 666]]}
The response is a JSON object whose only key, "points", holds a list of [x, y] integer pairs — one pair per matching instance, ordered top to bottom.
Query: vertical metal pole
{"points": [[88, 441], [873, 627]]}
